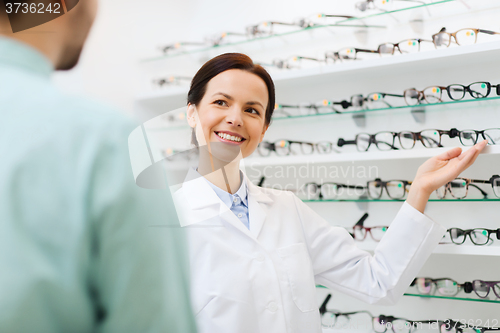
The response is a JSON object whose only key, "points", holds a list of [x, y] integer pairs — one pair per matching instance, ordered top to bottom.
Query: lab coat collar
{"points": [[198, 191], [202, 196], [258, 202]]}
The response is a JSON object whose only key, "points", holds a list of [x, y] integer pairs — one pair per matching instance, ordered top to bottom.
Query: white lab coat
{"points": [[263, 279]]}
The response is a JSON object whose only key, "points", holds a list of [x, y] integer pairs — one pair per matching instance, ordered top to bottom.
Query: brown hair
{"points": [[226, 62]]}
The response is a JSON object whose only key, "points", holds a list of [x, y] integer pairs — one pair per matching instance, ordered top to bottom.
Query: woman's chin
{"points": [[225, 153]]}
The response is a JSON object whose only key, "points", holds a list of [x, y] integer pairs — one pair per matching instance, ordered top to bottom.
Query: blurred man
{"points": [[77, 253]]}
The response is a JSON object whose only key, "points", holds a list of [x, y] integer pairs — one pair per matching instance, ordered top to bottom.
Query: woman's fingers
{"points": [[449, 154], [469, 157]]}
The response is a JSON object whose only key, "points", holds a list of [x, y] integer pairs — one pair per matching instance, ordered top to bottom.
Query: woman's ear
{"points": [[191, 115], [263, 132]]}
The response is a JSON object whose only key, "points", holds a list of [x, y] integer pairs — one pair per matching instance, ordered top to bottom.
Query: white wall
{"points": [[108, 69]]}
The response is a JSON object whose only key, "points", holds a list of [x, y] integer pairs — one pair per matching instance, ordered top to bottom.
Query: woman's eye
{"points": [[220, 102], [252, 110]]}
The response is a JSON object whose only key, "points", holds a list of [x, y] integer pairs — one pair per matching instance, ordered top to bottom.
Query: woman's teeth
{"points": [[229, 137]]}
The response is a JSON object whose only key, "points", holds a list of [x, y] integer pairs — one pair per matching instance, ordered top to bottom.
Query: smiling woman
{"points": [[230, 105], [257, 253]]}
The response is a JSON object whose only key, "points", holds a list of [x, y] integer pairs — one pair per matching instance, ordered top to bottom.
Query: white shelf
{"points": [[316, 83], [357, 156], [448, 249]]}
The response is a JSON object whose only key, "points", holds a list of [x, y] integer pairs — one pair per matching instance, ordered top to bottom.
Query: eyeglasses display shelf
{"points": [[370, 20], [316, 82], [372, 155], [449, 249], [455, 298]]}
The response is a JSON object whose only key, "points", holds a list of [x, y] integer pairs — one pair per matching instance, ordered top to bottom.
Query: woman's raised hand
{"points": [[439, 170]]}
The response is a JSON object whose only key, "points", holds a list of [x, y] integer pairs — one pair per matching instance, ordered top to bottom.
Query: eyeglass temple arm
{"points": [[344, 16], [281, 23], [489, 32], [366, 50], [309, 58], [393, 95], [288, 106], [428, 138], [341, 142], [393, 147], [261, 181], [481, 181], [485, 195], [361, 221], [322, 308]]}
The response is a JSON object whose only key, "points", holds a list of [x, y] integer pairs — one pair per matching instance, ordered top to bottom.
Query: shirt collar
{"points": [[17, 54], [226, 197]]}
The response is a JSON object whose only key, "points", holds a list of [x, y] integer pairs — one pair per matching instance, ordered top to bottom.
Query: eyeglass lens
{"points": [[395, 189], [457, 189], [478, 236], [445, 287], [482, 288]]}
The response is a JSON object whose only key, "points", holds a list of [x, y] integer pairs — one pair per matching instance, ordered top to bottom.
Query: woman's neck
{"points": [[224, 175]]}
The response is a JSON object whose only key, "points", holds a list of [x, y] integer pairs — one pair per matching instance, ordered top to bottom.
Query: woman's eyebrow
{"points": [[225, 95], [231, 99], [255, 103]]}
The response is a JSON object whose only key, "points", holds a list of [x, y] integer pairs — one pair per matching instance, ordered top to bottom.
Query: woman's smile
{"points": [[229, 137]]}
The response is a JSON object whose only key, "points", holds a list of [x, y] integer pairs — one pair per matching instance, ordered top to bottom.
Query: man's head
{"points": [[60, 39]]}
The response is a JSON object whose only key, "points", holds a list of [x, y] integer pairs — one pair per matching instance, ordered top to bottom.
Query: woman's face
{"points": [[232, 112]]}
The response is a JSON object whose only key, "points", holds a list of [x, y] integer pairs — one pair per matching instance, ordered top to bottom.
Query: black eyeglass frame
{"points": [[383, 184], [469, 232]]}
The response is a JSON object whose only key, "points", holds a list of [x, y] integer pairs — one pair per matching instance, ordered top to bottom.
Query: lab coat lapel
{"points": [[258, 203], [204, 206]]}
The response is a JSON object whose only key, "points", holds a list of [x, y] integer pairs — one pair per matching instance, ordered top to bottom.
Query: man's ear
{"points": [[191, 115], [264, 132]]}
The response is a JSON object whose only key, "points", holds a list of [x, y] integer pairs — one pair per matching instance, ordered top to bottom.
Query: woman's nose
{"points": [[234, 117]]}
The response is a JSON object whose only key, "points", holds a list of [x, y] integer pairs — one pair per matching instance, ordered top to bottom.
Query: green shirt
{"points": [[77, 250]]}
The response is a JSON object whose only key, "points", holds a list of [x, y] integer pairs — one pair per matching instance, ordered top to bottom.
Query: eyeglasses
{"points": [[383, 5], [306, 22], [266, 28], [465, 36], [176, 46], [405, 46], [352, 52], [334, 56], [288, 63], [171, 80], [476, 90], [430, 95], [371, 100], [303, 109], [470, 137], [430, 138], [363, 141], [284, 147], [459, 187], [395, 189], [328, 191], [360, 231], [376, 233], [478, 236], [443, 286], [449, 287], [482, 288], [337, 319]]}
